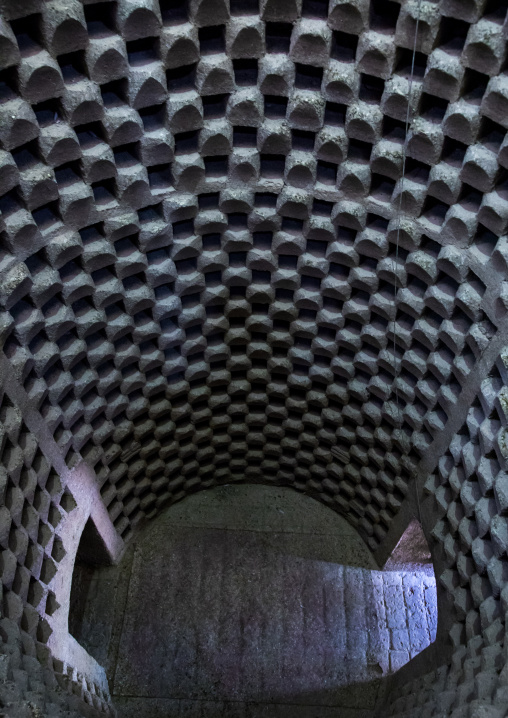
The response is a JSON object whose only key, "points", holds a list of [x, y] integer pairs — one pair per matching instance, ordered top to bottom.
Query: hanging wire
{"points": [[409, 120]]}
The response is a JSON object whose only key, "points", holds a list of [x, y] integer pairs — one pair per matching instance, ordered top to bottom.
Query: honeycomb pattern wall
{"points": [[200, 239], [225, 255], [470, 493], [34, 501]]}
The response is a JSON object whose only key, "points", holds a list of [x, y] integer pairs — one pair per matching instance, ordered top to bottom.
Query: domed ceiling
{"points": [[255, 241], [232, 250]]}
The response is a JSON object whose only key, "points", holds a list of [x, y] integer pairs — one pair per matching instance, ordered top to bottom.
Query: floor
{"points": [[249, 602]]}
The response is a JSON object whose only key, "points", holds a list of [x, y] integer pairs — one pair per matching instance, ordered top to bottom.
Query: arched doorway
{"points": [[250, 600]]}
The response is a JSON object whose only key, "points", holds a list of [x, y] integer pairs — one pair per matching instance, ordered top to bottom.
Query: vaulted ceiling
{"points": [[254, 241], [226, 253]]}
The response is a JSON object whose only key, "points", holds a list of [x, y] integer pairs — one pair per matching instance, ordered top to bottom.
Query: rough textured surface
{"points": [[224, 257], [201, 280], [469, 503], [255, 599]]}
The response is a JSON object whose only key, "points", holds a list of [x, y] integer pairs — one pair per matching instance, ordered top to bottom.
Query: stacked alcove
{"points": [[205, 278]]}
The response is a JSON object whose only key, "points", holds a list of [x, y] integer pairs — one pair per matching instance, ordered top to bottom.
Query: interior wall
{"points": [[227, 256], [466, 510], [253, 601]]}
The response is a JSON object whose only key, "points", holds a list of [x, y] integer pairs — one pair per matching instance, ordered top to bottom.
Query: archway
{"points": [[250, 599]]}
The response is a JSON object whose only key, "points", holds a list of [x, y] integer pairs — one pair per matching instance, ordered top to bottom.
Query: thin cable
{"points": [[399, 210], [396, 261], [418, 501]]}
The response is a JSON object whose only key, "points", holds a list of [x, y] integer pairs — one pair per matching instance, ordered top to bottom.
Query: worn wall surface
{"points": [[255, 241], [253, 601]]}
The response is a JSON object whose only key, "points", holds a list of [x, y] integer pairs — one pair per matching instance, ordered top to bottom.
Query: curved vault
{"points": [[202, 283]]}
